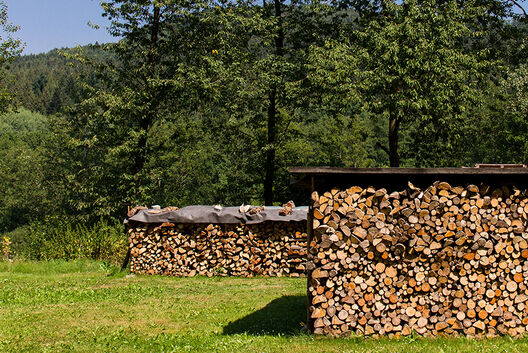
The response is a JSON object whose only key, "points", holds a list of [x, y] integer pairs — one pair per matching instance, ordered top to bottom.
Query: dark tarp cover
{"points": [[224, 215]]}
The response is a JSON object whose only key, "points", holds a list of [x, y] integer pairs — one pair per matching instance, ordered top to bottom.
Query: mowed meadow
{"points": [[88, 306]]}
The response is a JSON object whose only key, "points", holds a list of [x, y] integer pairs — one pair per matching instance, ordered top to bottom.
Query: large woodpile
{"points": [[266, 249], [445, 260]]}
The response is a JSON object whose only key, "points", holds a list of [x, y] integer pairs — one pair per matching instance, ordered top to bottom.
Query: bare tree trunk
{"points": [[272, 115], [146, 119], [394, 125], [270, 153]]}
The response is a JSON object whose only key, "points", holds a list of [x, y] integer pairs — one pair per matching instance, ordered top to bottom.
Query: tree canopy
{"points": [[10, 48], [206, 102]]}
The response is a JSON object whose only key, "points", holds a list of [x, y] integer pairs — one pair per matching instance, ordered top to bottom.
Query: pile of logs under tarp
{"points": [[264, 249], [445, 260]]}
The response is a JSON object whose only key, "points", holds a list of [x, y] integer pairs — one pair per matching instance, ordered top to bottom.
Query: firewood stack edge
{"points": [[264, 249], [446, 260]]}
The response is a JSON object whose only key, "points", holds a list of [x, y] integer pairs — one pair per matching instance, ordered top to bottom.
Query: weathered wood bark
{"points": [[444, 260]]}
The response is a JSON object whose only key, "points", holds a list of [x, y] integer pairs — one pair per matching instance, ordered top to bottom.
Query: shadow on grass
{"points": [[283, 316]]}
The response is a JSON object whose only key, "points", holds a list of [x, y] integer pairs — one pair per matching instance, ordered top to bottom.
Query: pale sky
{"points": [[49, 24]]}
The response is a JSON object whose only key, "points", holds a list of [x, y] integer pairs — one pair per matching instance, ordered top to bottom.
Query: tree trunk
{"points": [[154, 34], [279, 40], [272, 114], [146, 119], [394, 125], [270, 153]]}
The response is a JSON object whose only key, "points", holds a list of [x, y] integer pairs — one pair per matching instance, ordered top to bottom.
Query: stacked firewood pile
{"points": [[265, 249], [445, 260]]}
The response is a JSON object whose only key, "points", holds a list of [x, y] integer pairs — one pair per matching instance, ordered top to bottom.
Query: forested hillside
{"points": [[46, 83], [208, 103]]}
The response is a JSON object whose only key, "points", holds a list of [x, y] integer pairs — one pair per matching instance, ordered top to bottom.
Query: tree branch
{"points": [[520, 7], [383, 148]]}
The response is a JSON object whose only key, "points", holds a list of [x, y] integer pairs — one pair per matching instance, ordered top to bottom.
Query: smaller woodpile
{"points": [[264, 249], [443, 260]]}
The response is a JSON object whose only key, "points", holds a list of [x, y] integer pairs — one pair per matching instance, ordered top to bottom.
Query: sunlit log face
{"points": [[266, 249], [441, 260]]}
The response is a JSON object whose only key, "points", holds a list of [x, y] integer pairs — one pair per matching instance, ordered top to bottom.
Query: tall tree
{"points": [[140, 24], [10, 48], [262, 48], [411, 64], [149, 83], [272, 107]]}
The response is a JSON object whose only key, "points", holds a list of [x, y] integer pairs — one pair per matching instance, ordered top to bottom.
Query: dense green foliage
{"points": [[10, 48], [413, 67], [46, 83], [207, 102], [25, 193], [61, 238], [82, 306]]}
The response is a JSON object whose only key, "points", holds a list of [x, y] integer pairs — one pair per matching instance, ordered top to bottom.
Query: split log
{"points": [[185, 250], [444, 260]]}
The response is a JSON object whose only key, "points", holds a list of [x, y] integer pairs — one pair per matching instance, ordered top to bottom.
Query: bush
{"points": [[62, 238]]}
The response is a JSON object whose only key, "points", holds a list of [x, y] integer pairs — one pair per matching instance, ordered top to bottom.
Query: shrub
{"points": [[62, 238], [5, 246]]}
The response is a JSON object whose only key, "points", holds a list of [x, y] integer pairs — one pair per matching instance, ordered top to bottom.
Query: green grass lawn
{"points": [[80, 306]]}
